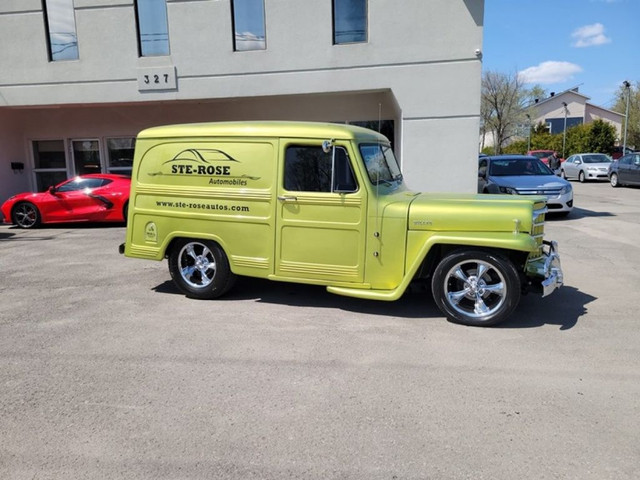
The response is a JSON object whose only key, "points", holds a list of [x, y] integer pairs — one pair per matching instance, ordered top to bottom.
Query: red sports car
{"points": [[87, 198]]}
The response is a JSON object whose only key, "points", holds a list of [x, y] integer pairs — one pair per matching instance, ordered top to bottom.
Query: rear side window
{"points": [[82, 183]]}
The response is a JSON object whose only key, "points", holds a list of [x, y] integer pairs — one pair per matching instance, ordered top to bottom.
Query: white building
{"points": [[80, 78], [575, 108]]}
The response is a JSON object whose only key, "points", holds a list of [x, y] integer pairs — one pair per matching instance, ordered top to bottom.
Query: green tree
{"points": [[633, 130], [602, 137], [578, 140]]}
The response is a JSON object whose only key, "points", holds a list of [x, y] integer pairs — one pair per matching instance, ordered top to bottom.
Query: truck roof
{"points": [[272, 129]]}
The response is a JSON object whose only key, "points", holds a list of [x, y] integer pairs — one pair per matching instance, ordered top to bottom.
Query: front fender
{"points": [[420, 243]]}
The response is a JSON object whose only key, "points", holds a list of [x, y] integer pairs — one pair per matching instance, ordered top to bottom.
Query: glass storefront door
{"points": [[86, 156]]}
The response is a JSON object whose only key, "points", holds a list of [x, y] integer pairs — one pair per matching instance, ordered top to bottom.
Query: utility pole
{"points": [[626, 85], [564, 133], [529, 136]]}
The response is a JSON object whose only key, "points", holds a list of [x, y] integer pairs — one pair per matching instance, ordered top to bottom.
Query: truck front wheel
{"points": [[200, 268], [475, 287]]}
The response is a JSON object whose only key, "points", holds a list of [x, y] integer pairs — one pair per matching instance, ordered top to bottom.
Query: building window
{"points": [[349, 21], [60, 22], [248, 25], [153, 30], [120, 155], [50, 163]]}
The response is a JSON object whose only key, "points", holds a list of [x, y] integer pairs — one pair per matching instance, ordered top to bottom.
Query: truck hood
{"points": [[473, 212]]}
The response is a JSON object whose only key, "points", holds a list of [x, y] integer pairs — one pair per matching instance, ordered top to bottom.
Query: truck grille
{"points": [[549, 192], [537, 228]]}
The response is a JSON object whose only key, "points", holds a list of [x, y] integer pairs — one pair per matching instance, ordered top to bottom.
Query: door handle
{"points": [[286, 198]]}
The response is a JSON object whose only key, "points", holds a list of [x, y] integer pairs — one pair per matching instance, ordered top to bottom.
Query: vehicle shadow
{"points": [[578, 213], [80, 225], [14, 232], [411, 305], [563, 308]]}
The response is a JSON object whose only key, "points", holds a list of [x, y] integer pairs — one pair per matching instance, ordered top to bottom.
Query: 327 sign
{"points": [[157, 78]]}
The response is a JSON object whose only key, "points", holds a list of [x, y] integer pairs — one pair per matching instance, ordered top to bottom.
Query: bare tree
{"points": [[502, 108]]}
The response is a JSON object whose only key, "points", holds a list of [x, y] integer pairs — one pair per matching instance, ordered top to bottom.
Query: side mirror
{"points": [[52, 190]]}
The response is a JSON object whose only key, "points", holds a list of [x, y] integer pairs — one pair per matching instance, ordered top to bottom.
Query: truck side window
{"points": [[308, 169]]}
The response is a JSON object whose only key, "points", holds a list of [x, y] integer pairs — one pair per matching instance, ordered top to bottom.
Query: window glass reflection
{"points": [[349, 21], [248, 25], [61, 26], [153, 30], [49, 154], [120, 155], [86, 156]]}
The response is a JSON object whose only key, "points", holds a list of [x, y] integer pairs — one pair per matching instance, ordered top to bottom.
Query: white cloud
{"points": [[589, 36], [549, 72]]}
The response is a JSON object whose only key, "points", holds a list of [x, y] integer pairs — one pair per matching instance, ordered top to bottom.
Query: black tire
{"points": [[563, 174], [581, 177], [613, 180], [125, 212], [26, 215], [200, 268], [469, 299]]}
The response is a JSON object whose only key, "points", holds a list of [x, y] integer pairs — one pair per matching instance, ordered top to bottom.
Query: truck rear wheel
{"points": [[200, 268], [475, 287]]}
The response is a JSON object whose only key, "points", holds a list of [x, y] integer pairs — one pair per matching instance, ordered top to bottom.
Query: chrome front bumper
{"points": [[546, 270]]}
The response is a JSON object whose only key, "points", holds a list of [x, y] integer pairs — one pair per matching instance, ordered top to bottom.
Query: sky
{"points": [[561, 44]]}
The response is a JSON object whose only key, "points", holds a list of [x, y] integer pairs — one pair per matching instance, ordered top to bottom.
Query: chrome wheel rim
{"points": [[614, 179], [25, 215], [197, 265], [475, 288]]}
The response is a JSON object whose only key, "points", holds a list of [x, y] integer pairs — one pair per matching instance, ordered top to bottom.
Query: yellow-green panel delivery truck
{"points": [[326, 204]]}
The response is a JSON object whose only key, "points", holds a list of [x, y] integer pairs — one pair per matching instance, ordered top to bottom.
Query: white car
{"points": [[586, 166]]}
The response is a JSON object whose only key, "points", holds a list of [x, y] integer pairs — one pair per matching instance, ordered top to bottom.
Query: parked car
{"points": [[620, 152], [543, 155], [586, 166], [625, 171], [524, 175], [87, 198]]}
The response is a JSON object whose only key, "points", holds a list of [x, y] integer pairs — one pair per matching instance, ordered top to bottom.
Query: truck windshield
{"points": [[381, 163]]}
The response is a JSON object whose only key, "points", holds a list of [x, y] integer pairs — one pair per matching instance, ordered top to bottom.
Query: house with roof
{"points": [[574, 108]]}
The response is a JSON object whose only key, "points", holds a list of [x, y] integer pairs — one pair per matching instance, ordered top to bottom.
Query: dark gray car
{"points": [[625, 171]]}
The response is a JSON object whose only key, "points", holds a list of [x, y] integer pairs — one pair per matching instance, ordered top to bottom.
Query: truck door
{"points": [[321, 214]]}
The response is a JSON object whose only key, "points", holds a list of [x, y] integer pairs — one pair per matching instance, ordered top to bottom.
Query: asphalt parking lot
{"points": [[106, 371]]}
